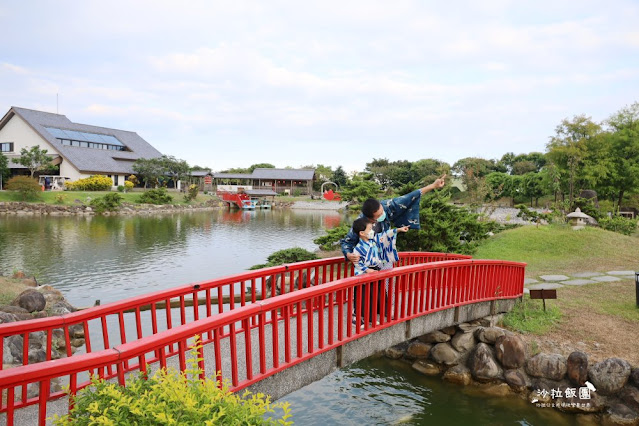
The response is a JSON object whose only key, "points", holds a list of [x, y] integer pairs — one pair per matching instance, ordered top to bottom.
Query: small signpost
{"points": [[543, 295]]}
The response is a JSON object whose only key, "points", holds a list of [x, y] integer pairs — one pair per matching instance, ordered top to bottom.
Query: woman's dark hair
{"points": [[369, 207], [360, 225]]}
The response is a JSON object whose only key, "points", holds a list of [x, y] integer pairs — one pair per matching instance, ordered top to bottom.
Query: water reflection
{"points": [[110, 258], [382, 392]]}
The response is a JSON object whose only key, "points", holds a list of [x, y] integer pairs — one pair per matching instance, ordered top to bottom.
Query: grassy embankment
{"points": [[69, 197], [594, 313]]}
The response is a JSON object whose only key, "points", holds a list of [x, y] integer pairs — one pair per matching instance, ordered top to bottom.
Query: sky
{"points": [[226, 84]]}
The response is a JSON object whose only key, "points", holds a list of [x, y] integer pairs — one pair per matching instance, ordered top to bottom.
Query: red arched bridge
{"points": [[254, 326]]}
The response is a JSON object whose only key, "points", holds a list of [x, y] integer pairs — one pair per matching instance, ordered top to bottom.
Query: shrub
{"points": [[92, 183], [128, 185], [26, 186], [120, 188], [297, 192], [191, 193], [155, 196], [60, 198], [110, 202], [619, 224], [330, 240], [295, 254], [171, 397]]}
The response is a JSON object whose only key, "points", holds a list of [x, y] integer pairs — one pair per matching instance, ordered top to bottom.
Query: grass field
{"points": [[70, 197], [558, 249]]}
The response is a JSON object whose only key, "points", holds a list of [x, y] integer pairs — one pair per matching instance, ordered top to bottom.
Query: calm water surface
{"points": [[111, 258]]}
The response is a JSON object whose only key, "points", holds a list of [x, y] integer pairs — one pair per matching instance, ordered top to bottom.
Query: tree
{"points": [[623, 146], [568, 148], [34, 159], [260, 166], [523, 167], [4, 169], [176, 169], [380, 169], [473, 169], [149, 170], [322, 174], [339, 177], [531, 186], [359, 190], [445, 228]]}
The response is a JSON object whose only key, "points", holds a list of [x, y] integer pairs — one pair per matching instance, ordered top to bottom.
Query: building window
{"points": [[6, 147], [116, 180]]}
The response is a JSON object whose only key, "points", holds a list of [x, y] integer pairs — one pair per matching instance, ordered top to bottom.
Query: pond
{"points": [[115, 257], [111, 258]]}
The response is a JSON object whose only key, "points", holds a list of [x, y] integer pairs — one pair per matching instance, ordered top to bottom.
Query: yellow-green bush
{"points": [[92, 183], [128, 185], [25, 186], [171, 398]]}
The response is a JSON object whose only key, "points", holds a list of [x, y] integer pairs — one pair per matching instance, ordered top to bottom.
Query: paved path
{"points": [[577, 279]]}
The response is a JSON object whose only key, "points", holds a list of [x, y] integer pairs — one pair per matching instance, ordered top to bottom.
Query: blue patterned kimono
{"points": [[401, 211]]}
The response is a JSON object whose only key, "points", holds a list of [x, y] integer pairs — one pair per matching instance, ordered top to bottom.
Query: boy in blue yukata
{"points": [[377, 252]]}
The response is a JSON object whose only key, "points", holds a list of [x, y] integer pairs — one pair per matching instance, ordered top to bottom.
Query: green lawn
{"points": [[70, 197], [558, 249]]}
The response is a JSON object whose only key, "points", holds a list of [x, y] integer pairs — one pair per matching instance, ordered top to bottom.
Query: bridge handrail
{"points": [[483, 280], [134, 302]]}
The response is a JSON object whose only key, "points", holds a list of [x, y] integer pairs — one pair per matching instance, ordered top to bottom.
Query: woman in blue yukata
{"points": [[401, 211]]}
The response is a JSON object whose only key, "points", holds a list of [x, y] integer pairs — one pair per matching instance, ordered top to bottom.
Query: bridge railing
{"points": [[314, 319], [102, 327]]}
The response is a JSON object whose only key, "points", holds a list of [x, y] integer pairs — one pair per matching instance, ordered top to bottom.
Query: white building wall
{"points": [[23, 136]]}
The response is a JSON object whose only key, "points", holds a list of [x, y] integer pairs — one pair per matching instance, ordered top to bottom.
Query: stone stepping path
{"points": [[554, 278], [549, 282]]}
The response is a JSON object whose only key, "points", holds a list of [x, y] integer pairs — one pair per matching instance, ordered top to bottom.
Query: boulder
{"points": [[30, 300], [13, 309], [6, 317], [469, 327], [450, 330], [489, 334], [435, 337], [463, 342], [13, 347], [418, 350], [510, 351], [394, 352], [443, 353], [483, 365], [550, 366], [427, 367], [577, 368], [459, 375], [610, 375], [634, 377], [517, 380], [496, 389], [630, 396], [574, 404], [619, 414]]}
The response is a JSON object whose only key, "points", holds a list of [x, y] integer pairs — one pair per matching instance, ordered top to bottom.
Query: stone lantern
{"points": [[577, 219]]}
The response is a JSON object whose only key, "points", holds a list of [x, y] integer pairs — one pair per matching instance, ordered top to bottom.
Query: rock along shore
{"points": [[497, 362]]}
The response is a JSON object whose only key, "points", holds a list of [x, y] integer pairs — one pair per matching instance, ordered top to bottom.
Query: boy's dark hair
{"points": [[369, 207], [360, 224]]}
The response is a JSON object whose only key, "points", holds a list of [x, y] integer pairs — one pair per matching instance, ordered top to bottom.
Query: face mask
{"points": [[382, 217], [370, 234]]}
